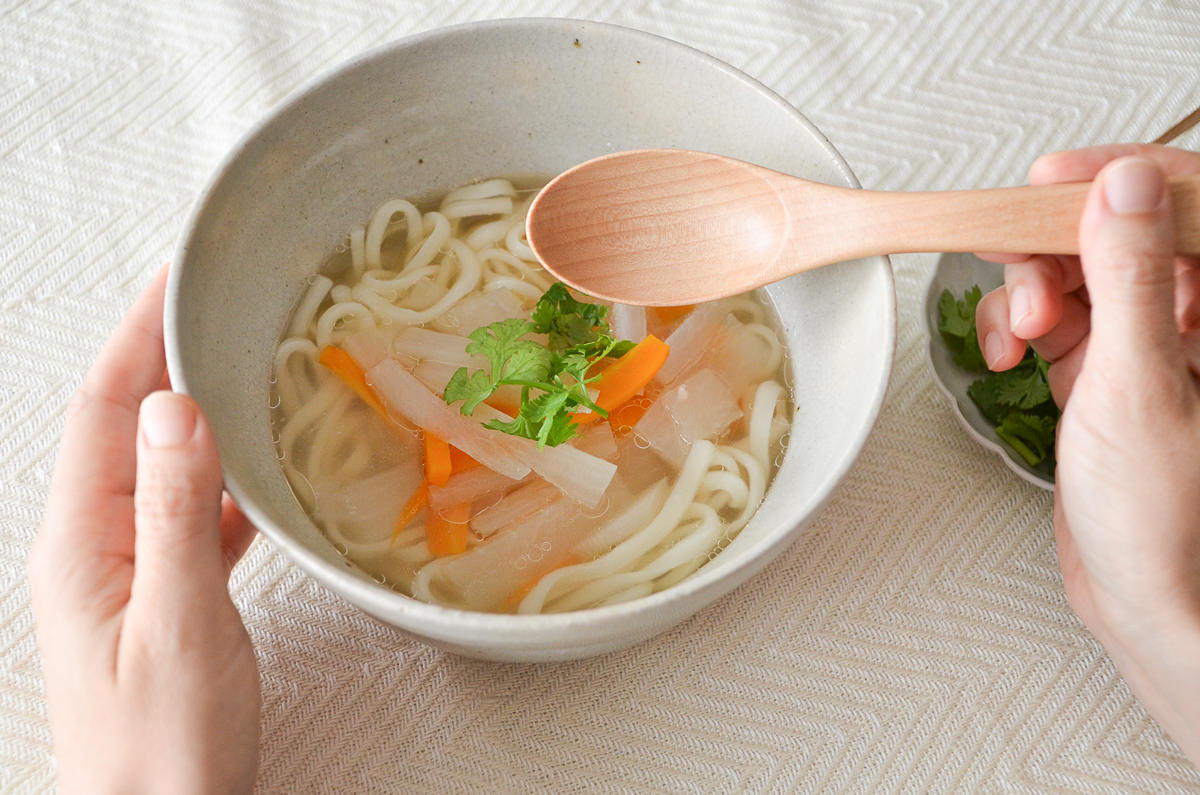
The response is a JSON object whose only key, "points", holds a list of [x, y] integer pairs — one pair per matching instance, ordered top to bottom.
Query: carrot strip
{"points": [[669, 313], [345, 368], [627, 376], [624, 417], [460, 461], [438, 463], [416, 503], [446, 530], [519, 595]]}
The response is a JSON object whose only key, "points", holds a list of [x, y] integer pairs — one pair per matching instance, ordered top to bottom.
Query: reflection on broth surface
{"points": [[433, 504]]}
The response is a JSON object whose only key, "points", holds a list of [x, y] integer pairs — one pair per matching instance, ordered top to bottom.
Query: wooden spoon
{"points": [[660, 227]]}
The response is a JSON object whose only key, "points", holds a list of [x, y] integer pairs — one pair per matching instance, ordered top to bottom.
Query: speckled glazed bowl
{"points": [[506, 97]]}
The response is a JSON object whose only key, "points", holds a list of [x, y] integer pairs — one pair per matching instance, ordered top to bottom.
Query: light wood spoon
{"points": [[661, 227]]}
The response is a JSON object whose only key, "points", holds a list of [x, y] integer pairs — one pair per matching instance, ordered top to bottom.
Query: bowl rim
{"points": [[424, 617]]}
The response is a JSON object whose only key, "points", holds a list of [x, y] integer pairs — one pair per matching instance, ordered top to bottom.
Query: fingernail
{"points": [[1133, 185], [1019, 307], [993, 348], [167, 420]]}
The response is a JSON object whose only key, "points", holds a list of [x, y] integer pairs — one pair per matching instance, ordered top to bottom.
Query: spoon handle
{"points": [[1040, 219]]}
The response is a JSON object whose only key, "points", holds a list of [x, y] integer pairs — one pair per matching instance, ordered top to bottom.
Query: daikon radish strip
{"points": [[480, 310], [628, 322], [689, 342], [436, 346], [369, 348], [744, 353], [434, 375], [627, 376], [402, 393], [700, 407], [598, 441], [582, 476], [474, 485], [516, 505], [369, 506], [485, 577]]}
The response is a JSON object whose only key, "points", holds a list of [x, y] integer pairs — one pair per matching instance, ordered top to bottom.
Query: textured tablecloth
{"points": [[916, 639]]}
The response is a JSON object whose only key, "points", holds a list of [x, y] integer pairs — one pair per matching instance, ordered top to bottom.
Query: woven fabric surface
{"points": [[915, 639]]}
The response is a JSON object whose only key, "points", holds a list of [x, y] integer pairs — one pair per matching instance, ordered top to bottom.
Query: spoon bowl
{"points": [[661, 227]]}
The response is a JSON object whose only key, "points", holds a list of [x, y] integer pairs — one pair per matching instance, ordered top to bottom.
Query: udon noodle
{"points": [[640, 502]]}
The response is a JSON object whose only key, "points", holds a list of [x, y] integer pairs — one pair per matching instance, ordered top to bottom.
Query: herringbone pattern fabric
{"points": [[916, 640]]}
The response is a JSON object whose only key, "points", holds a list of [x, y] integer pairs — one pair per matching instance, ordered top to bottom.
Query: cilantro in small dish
{"points": [[1017, 401]]}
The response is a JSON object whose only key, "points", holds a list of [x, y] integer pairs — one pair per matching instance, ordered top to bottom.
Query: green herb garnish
{"points": [[552, 376], [1016, 401]]}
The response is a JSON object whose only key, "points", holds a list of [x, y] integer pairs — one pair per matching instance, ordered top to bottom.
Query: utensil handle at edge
{"points": [[1040, 219]]}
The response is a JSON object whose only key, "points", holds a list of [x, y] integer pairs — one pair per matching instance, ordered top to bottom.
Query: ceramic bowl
{"points": [[504, 97], [958, 273]]}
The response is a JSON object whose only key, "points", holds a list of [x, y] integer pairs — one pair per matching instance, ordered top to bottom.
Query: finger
{"points": [[1081, 165], [1127, 244], [1001, 257], [1187, 293], [1035, 296], [1073, 325], [1001, 349], [1191, 349], [1063, 373], [94, 473], [177, 509], [237, 533]]}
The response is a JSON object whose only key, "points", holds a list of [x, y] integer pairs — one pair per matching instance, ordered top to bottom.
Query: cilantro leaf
{"points": [[566, 321], [956, 323], [510, 356], [553, 377], [472, 389], [1017, 401], [1031, 435]]}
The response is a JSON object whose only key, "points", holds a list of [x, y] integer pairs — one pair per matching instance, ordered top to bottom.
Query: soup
{"points": [[613, 450]]}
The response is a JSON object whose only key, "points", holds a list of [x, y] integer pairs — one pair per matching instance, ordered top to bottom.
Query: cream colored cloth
{"points": [[917, 639]]}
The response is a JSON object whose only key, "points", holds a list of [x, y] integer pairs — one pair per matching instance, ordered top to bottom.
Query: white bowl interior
{"points": [[501, 98]]}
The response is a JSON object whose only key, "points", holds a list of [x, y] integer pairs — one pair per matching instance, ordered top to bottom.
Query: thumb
{"points": [[1127, 244], [177, 503]]}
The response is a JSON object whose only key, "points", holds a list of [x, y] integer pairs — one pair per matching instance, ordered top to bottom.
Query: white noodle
{"points": [[302, 318]]}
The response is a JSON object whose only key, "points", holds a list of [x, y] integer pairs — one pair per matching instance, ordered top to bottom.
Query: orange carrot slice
{"points": [[668, 314], [345, 368], [627, 376], [460, 461], [438, 463], [416, 503], [447, 530]]}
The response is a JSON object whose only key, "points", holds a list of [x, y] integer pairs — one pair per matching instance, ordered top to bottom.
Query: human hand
{"points": [[1119, 323], [151, 681]]}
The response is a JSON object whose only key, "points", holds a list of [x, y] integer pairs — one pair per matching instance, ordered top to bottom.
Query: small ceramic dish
{"points": [[957, 273]]}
